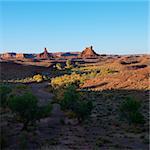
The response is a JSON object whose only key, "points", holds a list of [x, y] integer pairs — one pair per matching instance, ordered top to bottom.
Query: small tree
{"points": [[58, 66], [4, 92], [70, 98], [72, 102], [26, 109], [83, 110], [130, 111]]}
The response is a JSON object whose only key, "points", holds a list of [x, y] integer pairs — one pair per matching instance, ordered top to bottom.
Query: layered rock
{"points": [[89, 53], [8, 55], [22, 56]]}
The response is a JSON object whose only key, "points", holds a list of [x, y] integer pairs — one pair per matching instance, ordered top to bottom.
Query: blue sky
{"points": [[112, 27]]}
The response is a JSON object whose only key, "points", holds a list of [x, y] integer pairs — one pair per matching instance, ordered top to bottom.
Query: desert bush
{"points": [[68, 64], [77, 64], [58, 66], [111, 71], [91, 74], [45, 77], [38, 78], [73, 78], [27, 80], [65, 80], [21, 87], [4, 92], [70, 98], [73, 102], [26, 109], [83, 110], [44, 111], [130, 111], [71, 114], [3, 138], [23, 141], [102, 141]]}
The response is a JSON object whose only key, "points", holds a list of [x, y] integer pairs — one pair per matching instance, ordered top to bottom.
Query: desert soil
{"points": [[104, 129]]}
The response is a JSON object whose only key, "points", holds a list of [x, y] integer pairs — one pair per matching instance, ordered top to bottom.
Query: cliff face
{"points": [[89, 53], [8, 55], [21, 55], [44, 55]]}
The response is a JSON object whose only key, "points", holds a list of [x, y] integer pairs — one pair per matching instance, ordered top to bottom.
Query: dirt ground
{"points": [[103, 130]]}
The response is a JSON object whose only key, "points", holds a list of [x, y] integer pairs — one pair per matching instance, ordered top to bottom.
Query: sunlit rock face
{"points": [[89, 53], [8, 55]]}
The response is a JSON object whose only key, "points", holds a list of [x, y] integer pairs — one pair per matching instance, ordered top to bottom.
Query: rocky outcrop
{"points": [[89, 53], [8, 55], [20, 55], [44, 55], [23, 56]]}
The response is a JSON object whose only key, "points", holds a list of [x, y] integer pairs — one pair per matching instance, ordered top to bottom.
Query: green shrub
{"points": [[68, 64], [77, 64], [58, 66], [111, 71], [92, 74], [38, 78], [21, 87], [4, 92], [70, 98], [72, 102], [130, 105], [26, 109], [83, 110], [44, 111], [130, 111], [71, 114], [136, 117], [3, 138], [23, 141], [102, 141]]}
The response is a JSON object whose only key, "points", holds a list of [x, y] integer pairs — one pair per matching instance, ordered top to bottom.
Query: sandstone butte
{"points": [[89, 53], [44, 55]]}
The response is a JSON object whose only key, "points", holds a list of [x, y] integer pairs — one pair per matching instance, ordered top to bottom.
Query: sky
{"points": [[111, 27]]}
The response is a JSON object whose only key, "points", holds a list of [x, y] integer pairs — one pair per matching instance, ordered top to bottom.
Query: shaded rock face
{"points": [[89, 53], [69, 54], [44, 55], [22, 56], [137, 67]]}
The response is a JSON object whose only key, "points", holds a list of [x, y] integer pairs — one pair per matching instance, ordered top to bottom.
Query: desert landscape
{"points": [[74, 75], [89, 101]]}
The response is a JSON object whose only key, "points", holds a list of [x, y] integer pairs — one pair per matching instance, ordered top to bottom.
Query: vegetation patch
{"points": [[72, 102], [26, 109], [130, 111]]}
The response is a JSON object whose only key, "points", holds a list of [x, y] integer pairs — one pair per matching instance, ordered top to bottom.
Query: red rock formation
{"points": [[89, 53], [8, 55], [20, 55], [44, 55]]}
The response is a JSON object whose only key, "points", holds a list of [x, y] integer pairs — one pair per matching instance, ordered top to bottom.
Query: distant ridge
{"points": [[88, 52]]}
